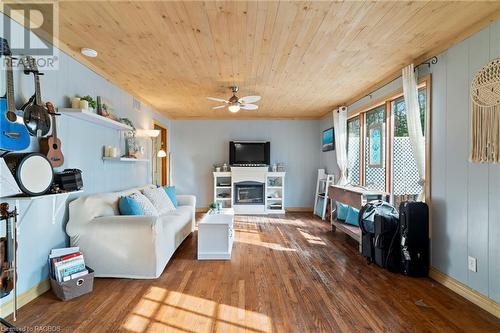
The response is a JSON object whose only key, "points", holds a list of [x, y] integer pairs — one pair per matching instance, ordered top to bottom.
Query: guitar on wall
{"points": [[36, 116], [13, 135], [51, 145]]}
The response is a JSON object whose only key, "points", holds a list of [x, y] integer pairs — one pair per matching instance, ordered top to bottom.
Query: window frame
{"points": [[425, 82]]}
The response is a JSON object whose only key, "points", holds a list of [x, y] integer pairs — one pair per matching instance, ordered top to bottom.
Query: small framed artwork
{"points": [[328, 140], [376, 146]]}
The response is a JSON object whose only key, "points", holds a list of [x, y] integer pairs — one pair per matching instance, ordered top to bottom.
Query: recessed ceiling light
{"points": [[91, 53]]}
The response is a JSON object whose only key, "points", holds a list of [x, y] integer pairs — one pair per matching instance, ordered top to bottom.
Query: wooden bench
{"points": [[354, 196]]}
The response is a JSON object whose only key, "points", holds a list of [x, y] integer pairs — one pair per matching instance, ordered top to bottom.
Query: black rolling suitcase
{"points": [[414, 219], [387, 248]]}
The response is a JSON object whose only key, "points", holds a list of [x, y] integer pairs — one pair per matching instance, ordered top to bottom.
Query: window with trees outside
{"points": [[379, 151]]}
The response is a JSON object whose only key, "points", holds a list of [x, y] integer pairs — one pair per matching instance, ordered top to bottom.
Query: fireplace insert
{"points": [[249, 193]]}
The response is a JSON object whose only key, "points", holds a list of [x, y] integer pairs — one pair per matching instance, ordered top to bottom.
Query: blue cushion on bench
{"points": [[342, 210], [352, 216]]}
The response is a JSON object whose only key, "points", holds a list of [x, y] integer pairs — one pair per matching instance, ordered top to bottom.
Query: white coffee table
{"points": [[215, 235]]}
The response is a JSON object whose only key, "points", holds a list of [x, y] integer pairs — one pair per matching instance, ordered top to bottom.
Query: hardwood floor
{"points": [[287, 274]]}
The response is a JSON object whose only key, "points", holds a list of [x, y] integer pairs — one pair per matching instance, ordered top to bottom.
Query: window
{"points": [[353, 133], [375, 137], [379, 151], [406, 184]]}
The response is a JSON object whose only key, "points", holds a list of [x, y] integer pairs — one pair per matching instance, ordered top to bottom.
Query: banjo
{"points": [[36, 116]]}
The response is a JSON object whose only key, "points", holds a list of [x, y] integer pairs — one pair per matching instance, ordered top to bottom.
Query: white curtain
{"points": [[340, 129], [415, 132]]}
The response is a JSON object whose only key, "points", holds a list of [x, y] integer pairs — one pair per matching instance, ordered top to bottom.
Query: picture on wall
{"points": [[328, 140], [376, 146]]}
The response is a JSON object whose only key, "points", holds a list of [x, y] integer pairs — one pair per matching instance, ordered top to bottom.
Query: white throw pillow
{"points": [[159, 199], [146, 205]]}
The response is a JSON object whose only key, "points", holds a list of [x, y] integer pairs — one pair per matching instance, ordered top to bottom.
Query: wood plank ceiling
{"points": [[303, 58]]}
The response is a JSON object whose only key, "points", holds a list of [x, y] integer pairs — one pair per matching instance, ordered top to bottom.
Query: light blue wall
{"points": [[82, 144], [197, 145], [327, 159], [465, 196]]}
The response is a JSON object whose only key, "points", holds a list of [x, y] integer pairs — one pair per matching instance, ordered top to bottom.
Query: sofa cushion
{"points": [[171, 192], [159, 199], [146, 205], [129, 206], [182, 211]]}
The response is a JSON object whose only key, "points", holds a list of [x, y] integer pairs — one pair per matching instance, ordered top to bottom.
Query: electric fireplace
{"points": [[249, 193]]}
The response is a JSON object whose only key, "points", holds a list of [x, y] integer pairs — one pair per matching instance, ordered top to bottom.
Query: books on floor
{"points": [[66, 264]]}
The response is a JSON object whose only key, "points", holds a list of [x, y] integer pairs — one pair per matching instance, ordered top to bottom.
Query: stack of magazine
{"points": [[66, 264]]}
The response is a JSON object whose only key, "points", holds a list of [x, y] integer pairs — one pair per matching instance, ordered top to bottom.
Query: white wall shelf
{"points": [[94, 118], [124, 159], [22, 197], [56, 207]]}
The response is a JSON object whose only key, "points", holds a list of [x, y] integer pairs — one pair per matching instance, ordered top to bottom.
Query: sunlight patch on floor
{"points": [[311, 238], [272, 246], [161, 310]]}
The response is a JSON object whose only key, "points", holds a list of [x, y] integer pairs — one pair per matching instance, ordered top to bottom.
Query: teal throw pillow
{"points": [[170, 190], [129, 206]]}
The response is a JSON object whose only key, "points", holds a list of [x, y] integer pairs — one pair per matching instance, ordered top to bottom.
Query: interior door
{"points": [[160, 164]]}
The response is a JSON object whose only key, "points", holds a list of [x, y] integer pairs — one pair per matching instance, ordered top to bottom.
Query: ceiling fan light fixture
{"points": [[234, 108]]}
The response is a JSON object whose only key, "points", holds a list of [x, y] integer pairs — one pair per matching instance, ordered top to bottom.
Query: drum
{"points": [[32, 171]]}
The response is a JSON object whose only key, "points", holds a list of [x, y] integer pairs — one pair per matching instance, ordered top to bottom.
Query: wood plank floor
{"points": [[287, 274]]}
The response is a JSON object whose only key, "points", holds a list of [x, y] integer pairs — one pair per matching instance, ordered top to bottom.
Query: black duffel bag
{"points": [[379, 224]]}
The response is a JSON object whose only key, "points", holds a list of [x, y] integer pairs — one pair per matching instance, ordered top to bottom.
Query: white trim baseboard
{"points": [[287, 209], [466, 292], [26, 297]]}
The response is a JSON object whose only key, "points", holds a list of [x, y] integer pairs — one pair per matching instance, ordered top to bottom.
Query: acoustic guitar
{"points": [[36, 117], [13, 135], [51, 146]]}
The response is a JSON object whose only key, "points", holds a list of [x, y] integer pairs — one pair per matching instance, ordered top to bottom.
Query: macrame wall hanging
{"points": [[485, 96]]}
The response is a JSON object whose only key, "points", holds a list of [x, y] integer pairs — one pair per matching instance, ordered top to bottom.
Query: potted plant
{"points": [[91, 102]]}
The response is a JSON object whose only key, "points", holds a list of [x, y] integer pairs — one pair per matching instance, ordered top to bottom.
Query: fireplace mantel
{"points": [[273, 183]]}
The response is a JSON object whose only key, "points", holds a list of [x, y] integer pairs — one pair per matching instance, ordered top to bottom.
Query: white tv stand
{"points": [[273, 183]]}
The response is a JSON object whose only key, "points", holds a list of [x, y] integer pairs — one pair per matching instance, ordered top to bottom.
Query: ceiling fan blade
{"points": [[249, 99], [220, 100], [219, 107], [249, 107]]}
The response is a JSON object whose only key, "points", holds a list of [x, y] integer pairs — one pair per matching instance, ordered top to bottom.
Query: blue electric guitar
{"points": [[13, 135]]}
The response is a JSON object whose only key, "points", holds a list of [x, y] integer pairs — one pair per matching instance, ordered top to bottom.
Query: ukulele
{"points": [[36, 117], [13, 135], [51, 146]]}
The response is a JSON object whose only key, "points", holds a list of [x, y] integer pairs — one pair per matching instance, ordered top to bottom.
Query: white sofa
{"points": [[136, 247]]}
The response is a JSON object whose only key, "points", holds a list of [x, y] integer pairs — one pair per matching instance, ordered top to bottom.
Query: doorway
{"points": [[160, 161]]}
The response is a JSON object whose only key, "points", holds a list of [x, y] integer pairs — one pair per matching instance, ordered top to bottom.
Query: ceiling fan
{"points": [[234, 104]]}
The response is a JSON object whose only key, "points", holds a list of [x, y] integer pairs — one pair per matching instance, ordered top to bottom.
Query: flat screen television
{"points": [[249, 153]]}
